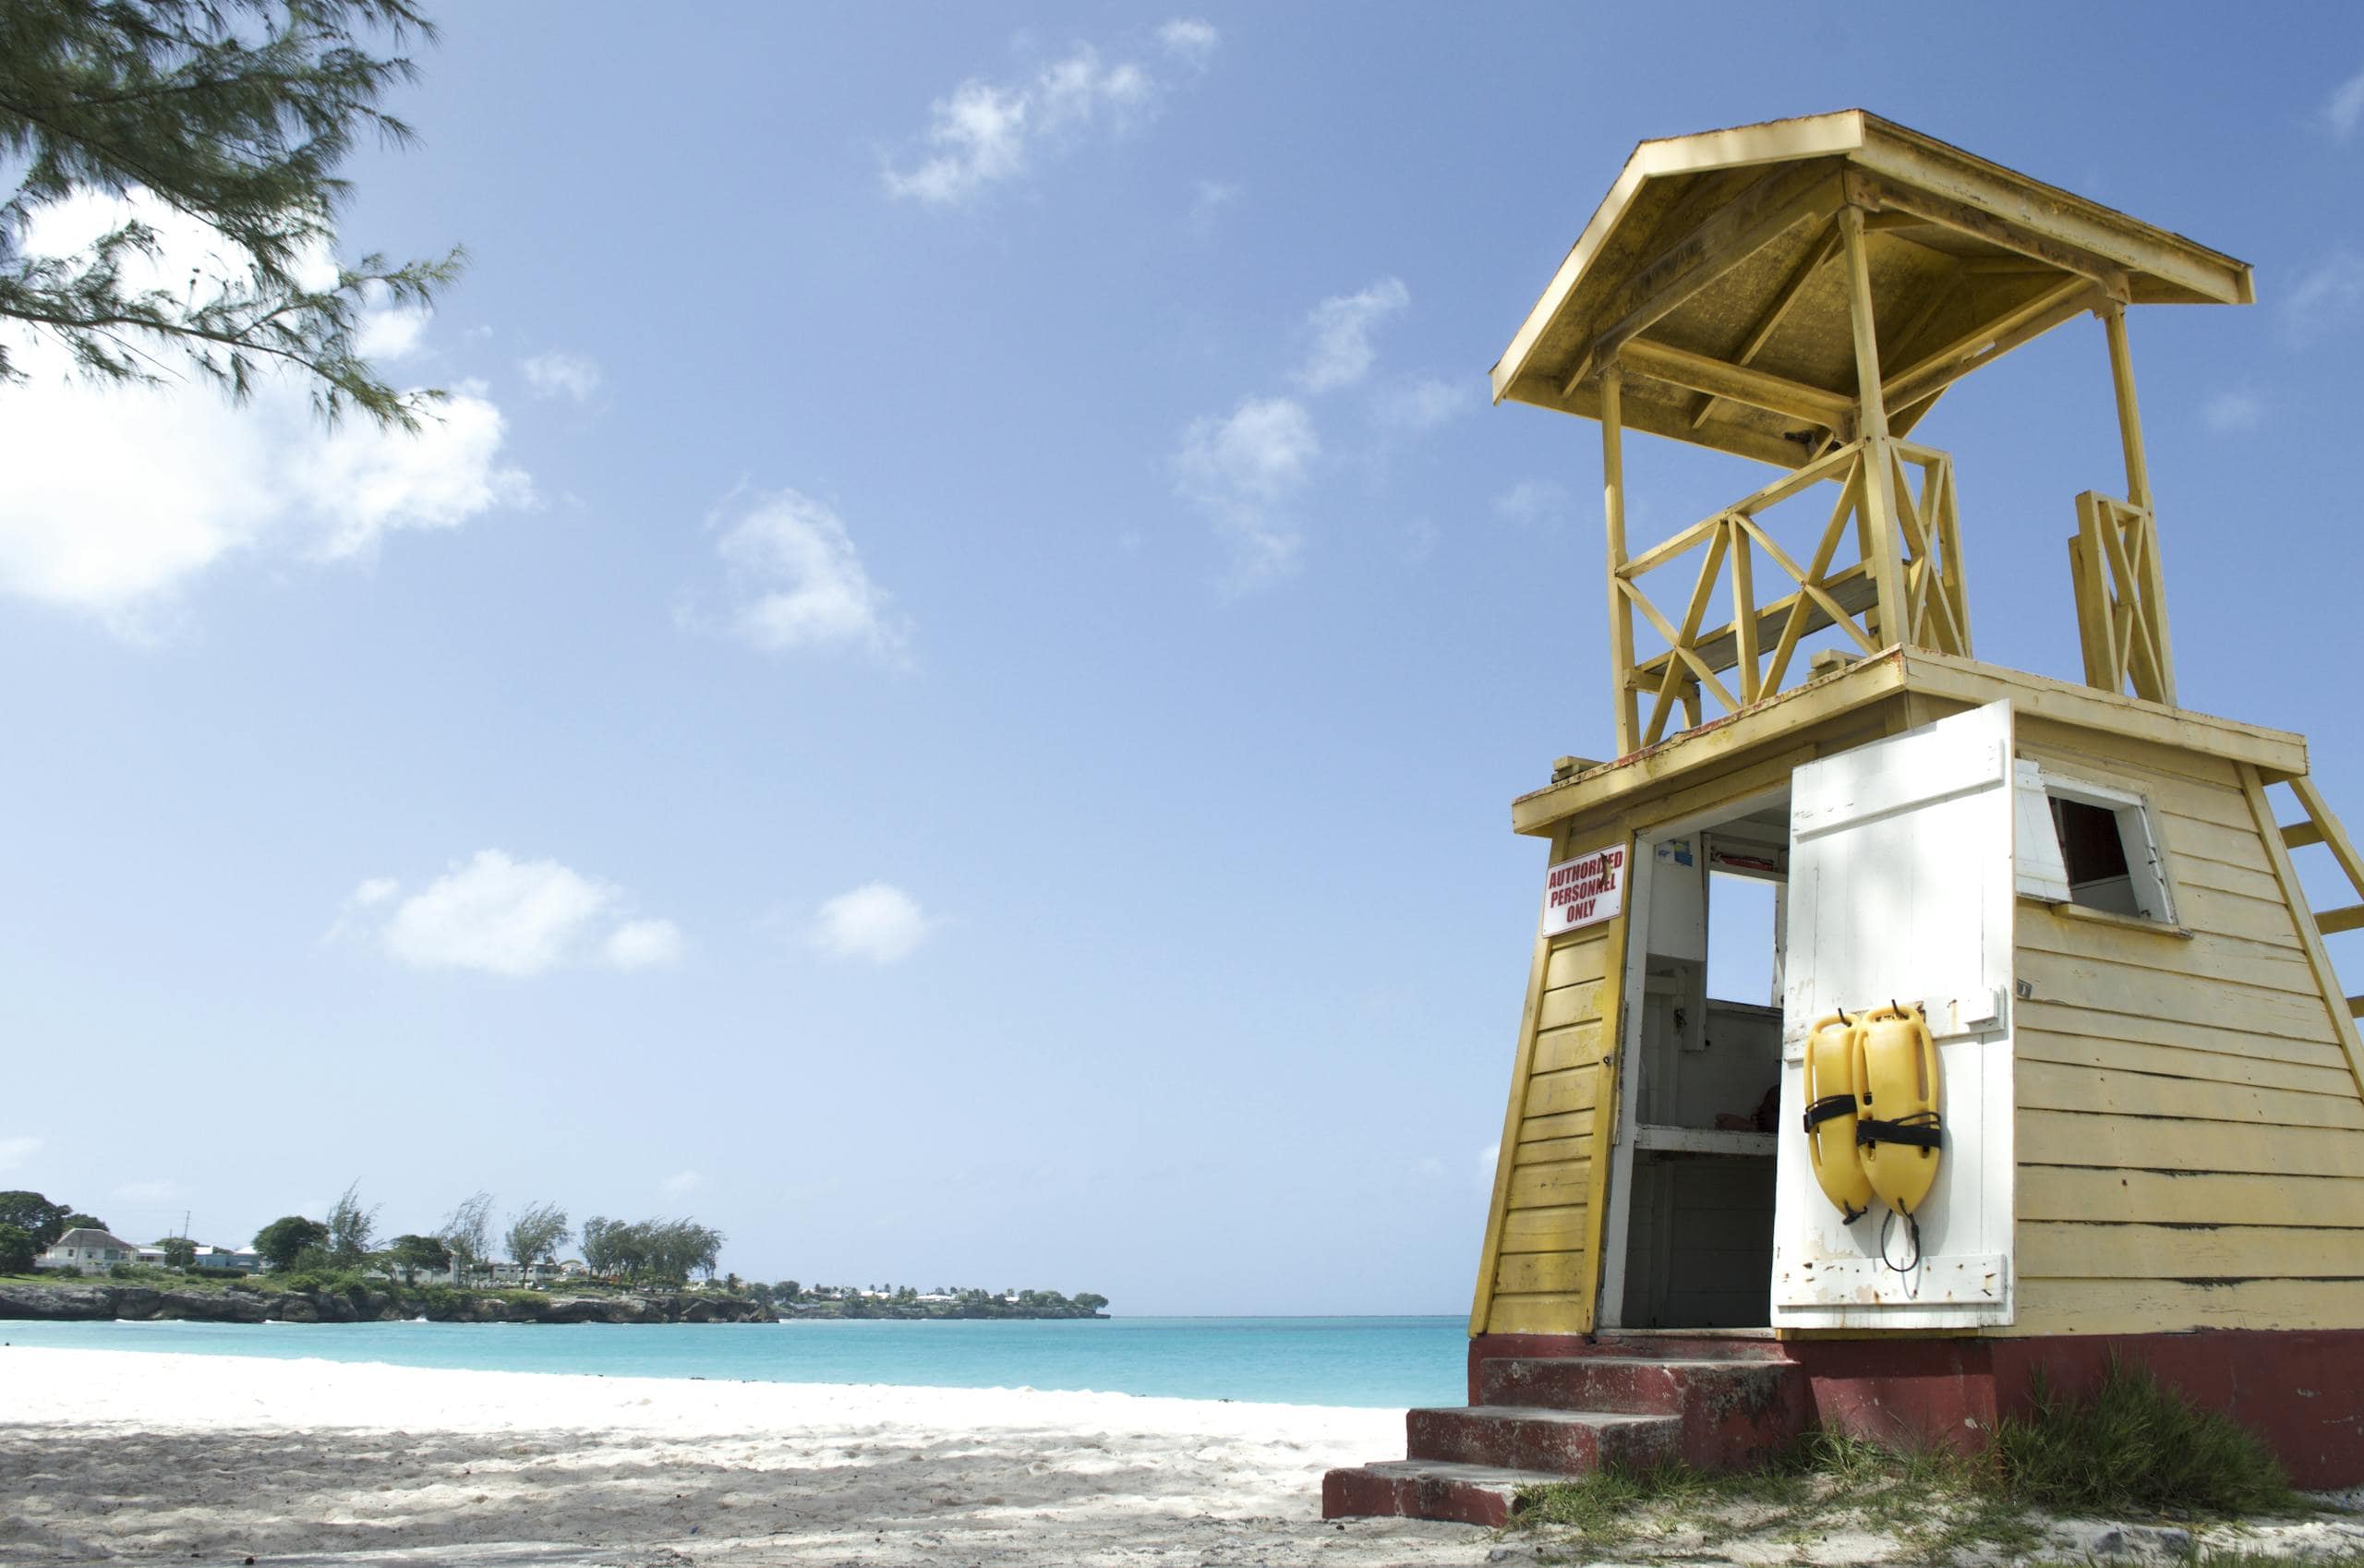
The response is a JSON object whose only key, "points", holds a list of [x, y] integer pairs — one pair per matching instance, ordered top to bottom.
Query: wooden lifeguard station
{"points": [[2153, 1095]]}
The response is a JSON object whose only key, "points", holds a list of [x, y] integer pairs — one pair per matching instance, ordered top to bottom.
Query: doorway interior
{"points": [[1695, 1153]]}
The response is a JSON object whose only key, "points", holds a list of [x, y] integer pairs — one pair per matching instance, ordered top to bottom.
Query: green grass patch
{"points": [[2135, 1446], [2132, 1449]]}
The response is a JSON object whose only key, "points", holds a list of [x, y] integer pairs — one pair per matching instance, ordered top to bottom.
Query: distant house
{"points": [[83, 1248], [228, 1260]]}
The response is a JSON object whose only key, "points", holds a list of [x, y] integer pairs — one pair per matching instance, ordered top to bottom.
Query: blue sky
{"points": [[944, 698]]}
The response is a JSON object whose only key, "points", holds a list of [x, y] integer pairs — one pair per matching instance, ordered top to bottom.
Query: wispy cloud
{"points": [[1191, 40], [2344, 110], [983, 133], [1209, 200], [2327, 298], [1340, 351], [558, 374], [1414, 406], [2234, 410], [1243, 469], [191, 481], [1534, 502], [795, 580], [499, 915], [877, 921], [18, 1150], [681, 1183], [158, 1191]]}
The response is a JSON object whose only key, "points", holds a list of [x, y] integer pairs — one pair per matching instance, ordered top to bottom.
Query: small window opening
{"points": [[2099, 852], [2092, 853]]}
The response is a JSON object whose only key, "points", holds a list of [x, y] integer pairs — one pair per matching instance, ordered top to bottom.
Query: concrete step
{"points": [[1684, 1345], [1732, 1410], [1534, 1437], [1410, 1489]]}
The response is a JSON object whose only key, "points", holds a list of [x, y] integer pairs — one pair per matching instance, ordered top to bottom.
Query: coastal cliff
{"points": [[79, 1301]]}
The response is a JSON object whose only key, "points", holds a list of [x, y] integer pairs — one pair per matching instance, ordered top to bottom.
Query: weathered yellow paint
{"points": [[2177, 1062], [2054, 1087], [2160, 1198], [2108, 1250], [1540, 1263], [2124, 1306]]}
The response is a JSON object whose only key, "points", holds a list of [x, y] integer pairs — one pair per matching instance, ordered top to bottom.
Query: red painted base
{"points": [[2301, 1390]]}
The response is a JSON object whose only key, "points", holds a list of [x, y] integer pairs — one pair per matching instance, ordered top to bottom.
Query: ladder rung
{"points": [[2298, 835], [2347, 917], [2355, 1007]]}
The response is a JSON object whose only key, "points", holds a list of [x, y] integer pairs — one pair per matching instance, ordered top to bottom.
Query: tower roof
{"points": [[1705, 275]]}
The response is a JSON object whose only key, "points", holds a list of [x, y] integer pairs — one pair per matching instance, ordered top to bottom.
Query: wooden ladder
{"points": [[2322, 827]]}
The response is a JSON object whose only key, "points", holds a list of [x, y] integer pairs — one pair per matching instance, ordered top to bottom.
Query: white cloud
{"points": [[1191, 40], [2344, 110], [984, 134], [1207, 203], [2330, 295], [393, 332], [1340, 352], [558, 374], [1416, 404], [2233, 410], [1241, 469], [121, 496], [1533, 502], [1415, 541], [796, 580], [501, 915], [877, 920], [644, 944], [17, 1150], [1429, 1168], [682, 1182], [149, 1191]]}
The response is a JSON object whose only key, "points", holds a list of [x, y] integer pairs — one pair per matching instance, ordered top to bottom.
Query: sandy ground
{"points": [[212, 1459]]}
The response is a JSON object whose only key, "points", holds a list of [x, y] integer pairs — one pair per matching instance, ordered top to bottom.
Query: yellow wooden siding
{"points": [[2190, 1134], [1541, 1263]]}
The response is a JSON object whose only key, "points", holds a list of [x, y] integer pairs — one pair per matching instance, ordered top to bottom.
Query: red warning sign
{"points": [[1583, 891]]}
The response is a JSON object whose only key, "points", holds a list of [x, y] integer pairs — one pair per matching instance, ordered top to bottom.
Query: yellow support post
{"points": [[1877, 519], [2154, 585], [1627, 701]]}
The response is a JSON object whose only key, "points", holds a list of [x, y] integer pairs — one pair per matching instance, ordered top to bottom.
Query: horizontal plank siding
{"points": [[2059, 1019], [2213, 1067], [2051, 1086], [2191, 1132], [2197, 1198], [2057, 1251], [2122, 1306], [1516, 1313]]}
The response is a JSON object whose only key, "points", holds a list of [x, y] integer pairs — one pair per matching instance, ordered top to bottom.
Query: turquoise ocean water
{"points": [[1366, 1361]]}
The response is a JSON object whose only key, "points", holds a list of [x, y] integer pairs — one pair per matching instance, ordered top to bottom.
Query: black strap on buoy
{"points": [[1828, 1108], [1919, 1130]]}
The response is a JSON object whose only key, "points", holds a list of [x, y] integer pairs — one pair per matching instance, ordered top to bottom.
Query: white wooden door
{"points": [[1900, 889]]}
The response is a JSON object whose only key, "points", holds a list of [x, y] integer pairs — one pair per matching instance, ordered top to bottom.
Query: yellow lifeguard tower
{"points": [[2140, 1115]]}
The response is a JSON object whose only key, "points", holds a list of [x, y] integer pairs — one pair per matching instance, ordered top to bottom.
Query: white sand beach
{"points": [[211, 1459]]}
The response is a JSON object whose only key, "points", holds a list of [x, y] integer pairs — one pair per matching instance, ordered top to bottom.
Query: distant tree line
{"points": [[652, 1251]]}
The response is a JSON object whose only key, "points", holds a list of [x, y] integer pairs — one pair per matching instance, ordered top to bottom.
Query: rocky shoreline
{"points": [[88, 1302]]}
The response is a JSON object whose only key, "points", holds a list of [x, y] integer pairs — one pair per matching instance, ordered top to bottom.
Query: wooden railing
{"points": [[1903, 584], [2121, 598]]}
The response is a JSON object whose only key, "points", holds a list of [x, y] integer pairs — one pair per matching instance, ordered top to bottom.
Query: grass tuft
{"points": [[2135, 1446], [1602, 1505]]}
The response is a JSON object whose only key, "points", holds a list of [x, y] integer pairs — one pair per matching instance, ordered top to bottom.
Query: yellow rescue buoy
{"points": [[1831, 1108], [1898, 1130]]}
